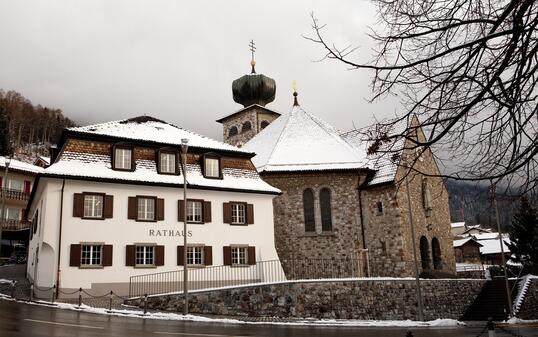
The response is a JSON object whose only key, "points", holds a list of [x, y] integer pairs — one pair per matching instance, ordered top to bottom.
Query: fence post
{"points": [[13, 284], [31, 292], [53, 293], [79, 297], [110, 301], [145, 303], [491, 327]]}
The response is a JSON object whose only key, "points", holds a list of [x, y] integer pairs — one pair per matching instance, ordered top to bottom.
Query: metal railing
{"points": [[14, 194], [14, 225], [226, 276]]}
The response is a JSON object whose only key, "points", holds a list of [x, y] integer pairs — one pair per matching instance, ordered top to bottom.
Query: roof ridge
{"points": [[279, 136]]}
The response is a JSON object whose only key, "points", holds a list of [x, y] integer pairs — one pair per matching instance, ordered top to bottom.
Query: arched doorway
{"points": [[424, 253], [436, 254]]}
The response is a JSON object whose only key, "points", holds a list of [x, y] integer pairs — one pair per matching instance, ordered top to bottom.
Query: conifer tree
{"points": [[5, 144], [524, 237]]}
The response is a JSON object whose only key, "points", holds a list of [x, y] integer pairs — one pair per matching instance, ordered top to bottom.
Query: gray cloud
{"points": [[106, 60]]}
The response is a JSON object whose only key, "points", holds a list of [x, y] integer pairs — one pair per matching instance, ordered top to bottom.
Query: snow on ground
{"points": [[307, 322]]}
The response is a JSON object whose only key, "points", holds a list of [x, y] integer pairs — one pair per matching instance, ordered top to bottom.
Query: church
{"points": [[338, 202]]}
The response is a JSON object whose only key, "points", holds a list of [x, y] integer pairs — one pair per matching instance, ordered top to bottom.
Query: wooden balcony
{"points": [[14, 194], [15, 225]]}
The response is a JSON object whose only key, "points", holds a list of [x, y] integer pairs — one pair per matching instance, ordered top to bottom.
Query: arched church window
{"points": [[264, 124], [246, 126], [233, 131], [425, 194], [308, 207], [325, 207], [424, 253], [436, 254]]}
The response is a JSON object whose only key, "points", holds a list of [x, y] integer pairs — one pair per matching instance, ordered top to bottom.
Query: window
{"points": [[264, 124], [246, 126], [233, 131], [123, 158], [167, 162], [212, 167], [15, 184], [93, 206], [308, 207], [325, 207], [146, 208], [379, 208], [194, 211], [13, 214], [238, 214], [91, 255], [195, 255], [239, 255], [145, 256]]}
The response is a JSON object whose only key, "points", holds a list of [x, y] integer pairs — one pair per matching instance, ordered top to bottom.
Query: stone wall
{"points": [[253, 114], [291, 239], [365, 299], [529, 308]]}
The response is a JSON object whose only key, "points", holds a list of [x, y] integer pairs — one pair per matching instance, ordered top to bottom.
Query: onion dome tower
{"points": [[253, 91]]}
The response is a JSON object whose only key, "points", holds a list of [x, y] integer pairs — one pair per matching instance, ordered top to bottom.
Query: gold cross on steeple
{"points": [[252, 50]]}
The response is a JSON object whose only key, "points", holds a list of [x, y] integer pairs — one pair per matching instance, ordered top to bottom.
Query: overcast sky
{"points": [[107, 60]]}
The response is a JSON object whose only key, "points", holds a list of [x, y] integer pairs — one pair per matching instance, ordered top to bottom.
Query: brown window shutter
{"points": [[78, 205], [109, 206], [132, 208], [160, 210], [180, 211], [207, 211], [227, 212], [250, 214], [107, 255], [130, 255], [159, 255], [180, 255], [208, 255], [227, 255], [251, 255], [74, 256]]}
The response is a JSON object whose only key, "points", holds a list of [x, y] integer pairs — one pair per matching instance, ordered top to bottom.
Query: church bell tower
{"points": [[253, 91]]}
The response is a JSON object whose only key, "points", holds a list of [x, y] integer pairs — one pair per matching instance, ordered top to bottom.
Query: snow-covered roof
{"points": [[149, 129], [299, 141], [45, 159], [385, 162], [20, 166], [457, 224], [486, 236], [461, 242], [493, 246]]}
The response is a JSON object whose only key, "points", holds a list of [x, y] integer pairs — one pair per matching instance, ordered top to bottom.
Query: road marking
{"points": [[64, 324], [190, 334]]}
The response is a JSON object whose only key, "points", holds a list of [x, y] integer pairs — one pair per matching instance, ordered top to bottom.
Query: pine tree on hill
{"points": [[5, 145], [524, 236]]}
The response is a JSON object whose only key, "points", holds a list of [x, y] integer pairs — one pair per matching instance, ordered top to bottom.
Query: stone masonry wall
{"points": [[430, 224], [291, 240], [351, 299], [529, 308]]}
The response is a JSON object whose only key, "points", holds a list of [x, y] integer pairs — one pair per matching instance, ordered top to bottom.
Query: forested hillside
{"points": [[27, 128]]}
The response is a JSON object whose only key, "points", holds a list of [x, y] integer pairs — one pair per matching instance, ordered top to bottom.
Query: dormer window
{"points": [[123, 158], [167, 162], [212, 167]]}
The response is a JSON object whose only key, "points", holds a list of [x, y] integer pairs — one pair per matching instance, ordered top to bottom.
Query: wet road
{"points": [[23, 320]]}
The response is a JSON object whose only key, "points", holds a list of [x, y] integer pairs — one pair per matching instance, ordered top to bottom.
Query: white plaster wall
{"points": [[120, 231]]}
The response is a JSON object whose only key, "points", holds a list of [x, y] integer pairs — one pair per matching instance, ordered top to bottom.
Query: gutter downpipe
{"points": [[60, 240], [365, 250]]}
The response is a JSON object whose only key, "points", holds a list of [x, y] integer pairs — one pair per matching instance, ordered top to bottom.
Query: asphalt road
{"points": [[24, 320]]}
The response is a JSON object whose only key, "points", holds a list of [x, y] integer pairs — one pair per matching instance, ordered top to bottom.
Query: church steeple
{"points": [[253, 88]]}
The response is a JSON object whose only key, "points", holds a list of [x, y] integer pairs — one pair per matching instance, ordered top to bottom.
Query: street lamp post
{"points": [[184, 148], [7, 161]]}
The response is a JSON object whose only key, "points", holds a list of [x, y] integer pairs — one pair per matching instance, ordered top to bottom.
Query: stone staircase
{"points": [[491, 302]]}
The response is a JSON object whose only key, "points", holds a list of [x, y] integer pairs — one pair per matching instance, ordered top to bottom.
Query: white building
{"points": [[110, 206]]}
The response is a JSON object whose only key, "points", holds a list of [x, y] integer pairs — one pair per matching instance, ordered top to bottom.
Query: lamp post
{"points": [[184, 148], [7, 161]]}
